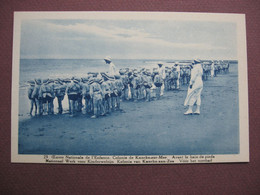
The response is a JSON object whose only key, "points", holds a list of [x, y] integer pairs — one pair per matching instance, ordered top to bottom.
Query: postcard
{"points": [[129, 88]]}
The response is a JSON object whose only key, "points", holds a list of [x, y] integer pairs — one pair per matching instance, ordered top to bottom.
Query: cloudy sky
{"points": [[128, 39]]}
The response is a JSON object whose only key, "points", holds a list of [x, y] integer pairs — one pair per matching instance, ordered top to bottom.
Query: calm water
{"points": [[66, 68]]}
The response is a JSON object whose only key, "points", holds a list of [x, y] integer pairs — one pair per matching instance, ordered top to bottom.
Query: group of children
{"points": [[98, 94]]}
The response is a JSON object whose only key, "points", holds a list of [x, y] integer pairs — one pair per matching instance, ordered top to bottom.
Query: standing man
{"points": [[112, 67], [178, 70], [212, 71], [162, 74], [195, 89]]}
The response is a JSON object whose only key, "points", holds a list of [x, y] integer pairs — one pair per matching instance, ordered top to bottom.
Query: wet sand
{"points": [[144, 128]]}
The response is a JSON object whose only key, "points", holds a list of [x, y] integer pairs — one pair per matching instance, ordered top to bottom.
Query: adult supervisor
{"points": [[112, 67], [178, 70], [162, 74], [195, 88]]}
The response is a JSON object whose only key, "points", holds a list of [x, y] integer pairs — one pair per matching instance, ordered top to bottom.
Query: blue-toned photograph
{"points": [[128, 87]]}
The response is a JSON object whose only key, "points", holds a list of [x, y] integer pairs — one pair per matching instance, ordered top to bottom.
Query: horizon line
{"points": [[123, 59]]}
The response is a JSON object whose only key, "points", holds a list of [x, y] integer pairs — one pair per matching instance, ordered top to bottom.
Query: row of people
{"points": [[102, 93]]}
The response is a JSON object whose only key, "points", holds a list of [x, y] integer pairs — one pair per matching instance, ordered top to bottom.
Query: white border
{"points": [[239, 19]]}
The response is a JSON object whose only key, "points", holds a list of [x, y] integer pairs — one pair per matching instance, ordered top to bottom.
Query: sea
{"points": [[66, 68]]}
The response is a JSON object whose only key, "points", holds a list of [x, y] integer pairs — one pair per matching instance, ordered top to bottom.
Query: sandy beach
{"points": [[144, 128]]}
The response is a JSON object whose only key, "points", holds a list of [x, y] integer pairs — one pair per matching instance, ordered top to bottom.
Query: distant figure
{"points": [[112, 67], [212, 69], [178, 70], [162, 74], [195, 89]]}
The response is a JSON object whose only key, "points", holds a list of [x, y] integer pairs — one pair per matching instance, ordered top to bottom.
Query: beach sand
{"points": [[144, 128]]}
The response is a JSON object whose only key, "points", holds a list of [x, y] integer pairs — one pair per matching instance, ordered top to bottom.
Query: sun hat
{"points": [[108, 58], [197, 61]]}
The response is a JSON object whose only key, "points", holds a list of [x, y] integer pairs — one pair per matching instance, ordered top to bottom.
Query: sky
{"points": [[127, 39]]}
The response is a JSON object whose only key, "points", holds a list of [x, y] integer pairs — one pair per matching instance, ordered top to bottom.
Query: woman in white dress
{"points": [[195, 89]]}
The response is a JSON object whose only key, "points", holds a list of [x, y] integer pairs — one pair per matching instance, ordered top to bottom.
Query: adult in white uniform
{"points": [[112, 67], [178, 70], [212, 72], [162, 74], [195, 89]]}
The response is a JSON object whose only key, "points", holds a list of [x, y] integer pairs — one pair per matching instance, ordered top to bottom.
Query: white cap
{"points": [[108, 58], [197, 61]]}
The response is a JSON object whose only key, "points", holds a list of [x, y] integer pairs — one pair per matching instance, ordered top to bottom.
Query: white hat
{"points": [[108, 58], [197, 61]]}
